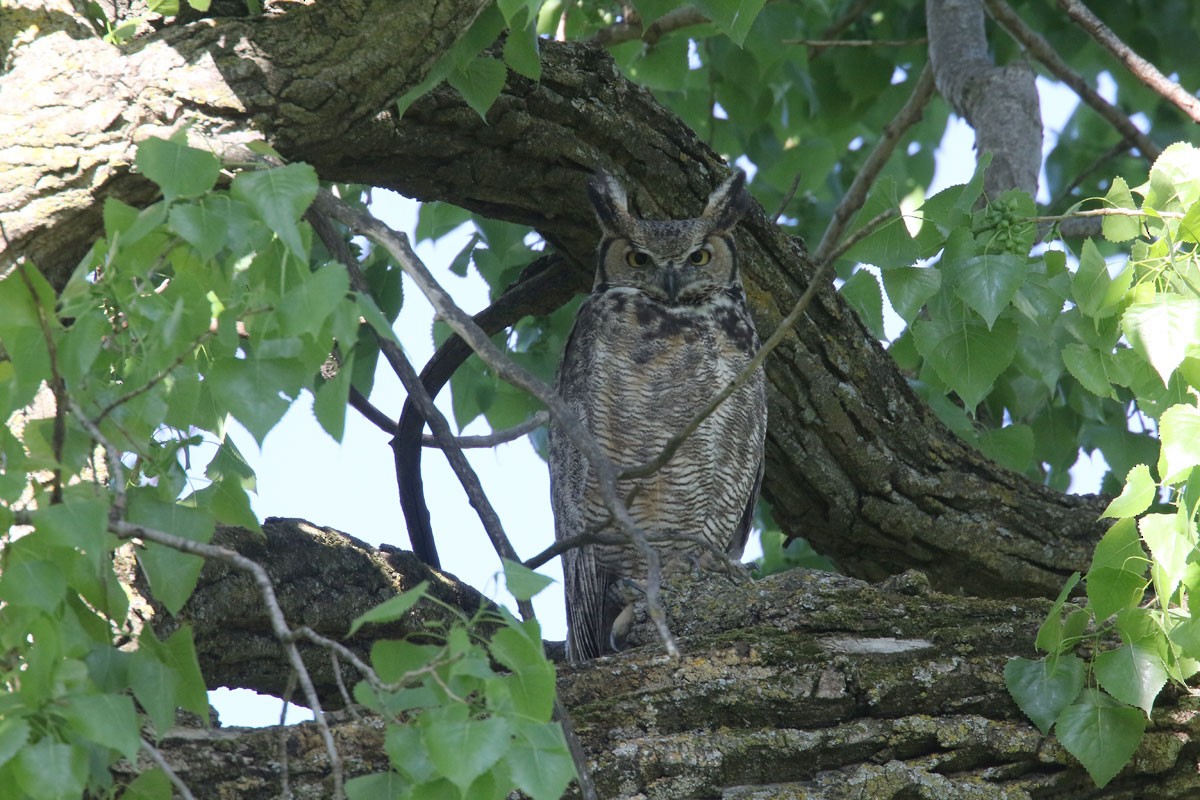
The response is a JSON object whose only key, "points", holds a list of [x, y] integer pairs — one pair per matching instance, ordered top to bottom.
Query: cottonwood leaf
{"points": [[179, 170], [279, 196], [1118, 227], [988, 282], [910, 288], [1162, 330], [965, 354], [1179, 433], [1139, 492], [1170, 541], [391, 609], [1132, 674], [1043, 688], [1103, 736], [540, 762]]}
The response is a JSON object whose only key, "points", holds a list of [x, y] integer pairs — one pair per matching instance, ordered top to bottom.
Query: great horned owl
{"points": [[664, 329]]}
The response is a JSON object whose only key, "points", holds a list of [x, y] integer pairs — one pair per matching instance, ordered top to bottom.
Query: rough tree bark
{"points": [[804, 685], [828, 687]]}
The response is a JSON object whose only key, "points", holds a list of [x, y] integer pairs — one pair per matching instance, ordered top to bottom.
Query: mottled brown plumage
{"points": [[665, 328]]}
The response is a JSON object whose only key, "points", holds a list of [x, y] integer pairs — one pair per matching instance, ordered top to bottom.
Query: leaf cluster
{"points": [[1108, 657], [469, 705]]}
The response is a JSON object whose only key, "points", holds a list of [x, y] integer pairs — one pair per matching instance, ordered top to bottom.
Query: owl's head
{"points": [[676, 262]]}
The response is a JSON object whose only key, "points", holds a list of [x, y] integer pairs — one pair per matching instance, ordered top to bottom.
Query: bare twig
{"points": [[840, 24], [628, 30], [827, 43], [1042, 50], [1142, 69], [893, 132], [787, 198], [1108, 212], [320, 214], [397, 244], [157, 378], [376, 417], [495, 437], [335, 664], [162, 764]]}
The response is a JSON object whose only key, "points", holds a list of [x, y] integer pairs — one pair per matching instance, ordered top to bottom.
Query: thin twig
{"points": [[840, 24], [627, 31], [827, 43], [1044, 52], [1142, 69], [860, 187], [787, 198], [1109, 212], [319, 215], [158, 377], [360, 403], [572, 427], [495, 437], [279, 625], [336, 664], [162, 764], [285, 783]]}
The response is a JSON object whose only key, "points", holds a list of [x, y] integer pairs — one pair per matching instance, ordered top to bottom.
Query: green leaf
{"points": [[733, 17], [521, 45], [480, 83], [179, 170], [1174, 179], [279, 196], [1120, 228], [890, 246], [988, 282], [1091, 286], [910, 288], [861, 291], [304, 309], [1162, 330], [965, 354], [1086, 365], [251, 389], [329, 401], [1179, 432], [1011, 446], [1139, 492], [81, 522], [1170, 539], [172, 574], [1116, 579], [522, 582], [35, 583], [391, 609], [1050, 632], [1185, 636], [179, 653], [1133, 674], [532, 679], [154, 685], [1045, 687], [106, 719], [14, 733], [1103, 737], [462, 748], [408, 754], [540, 762], [51, 770], [153, 784], [380, 786]]}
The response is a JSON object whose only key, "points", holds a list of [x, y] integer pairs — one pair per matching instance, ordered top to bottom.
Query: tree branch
{"points": [[1033, 41], [1142, 69], [1000, 103]]}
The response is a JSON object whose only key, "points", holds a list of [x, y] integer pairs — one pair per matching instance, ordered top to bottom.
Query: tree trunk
{"points": [[804, 685]]}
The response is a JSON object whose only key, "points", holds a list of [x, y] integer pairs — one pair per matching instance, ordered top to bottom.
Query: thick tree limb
{"points": [[1033, 41], [1000, 103], [805, 685]]}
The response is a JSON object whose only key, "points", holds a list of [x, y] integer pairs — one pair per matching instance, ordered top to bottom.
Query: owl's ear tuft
{"points": [[728, 202], [610, 203]]}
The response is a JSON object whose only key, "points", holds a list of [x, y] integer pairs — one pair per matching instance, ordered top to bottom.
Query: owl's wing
{"points": [[585, 584]]}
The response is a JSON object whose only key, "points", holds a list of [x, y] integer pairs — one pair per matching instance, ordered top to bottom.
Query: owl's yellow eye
{"points": [[636, 258], [699, 258]]}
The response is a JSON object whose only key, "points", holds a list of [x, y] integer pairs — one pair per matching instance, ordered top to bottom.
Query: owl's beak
{"points": [[670, 284]]}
